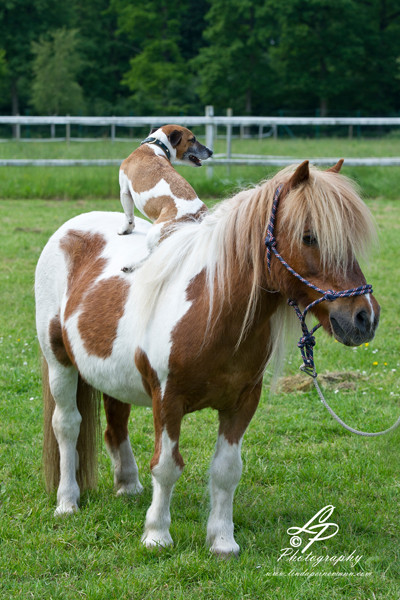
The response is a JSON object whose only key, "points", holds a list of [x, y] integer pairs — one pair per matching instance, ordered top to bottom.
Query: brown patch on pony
{"points": [[83, 252], [102, 308], [57, 342], [88, 403], [117, 414], [164, 415]]}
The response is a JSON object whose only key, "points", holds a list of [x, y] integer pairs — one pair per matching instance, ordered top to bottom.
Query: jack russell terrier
{"points": [[148, 181]]}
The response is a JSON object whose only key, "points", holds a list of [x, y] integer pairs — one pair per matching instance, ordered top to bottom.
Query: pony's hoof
{"points": [[130, 489], [66, 508], [157, 539], [225, 550]]}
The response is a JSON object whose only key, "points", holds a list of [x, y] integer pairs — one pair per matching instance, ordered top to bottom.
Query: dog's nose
{"points": [[210, 152]]}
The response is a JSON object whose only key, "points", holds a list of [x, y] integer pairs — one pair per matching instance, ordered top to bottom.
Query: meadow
{"points": [[296, 459]]}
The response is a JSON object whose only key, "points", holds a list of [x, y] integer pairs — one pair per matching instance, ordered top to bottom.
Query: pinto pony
{"points": [[193, 327]]}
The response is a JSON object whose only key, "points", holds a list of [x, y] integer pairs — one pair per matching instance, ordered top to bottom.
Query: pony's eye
{"points": [[310, 240]]}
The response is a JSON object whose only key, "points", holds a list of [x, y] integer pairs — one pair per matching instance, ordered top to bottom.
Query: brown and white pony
{"points": [[193, 327]]}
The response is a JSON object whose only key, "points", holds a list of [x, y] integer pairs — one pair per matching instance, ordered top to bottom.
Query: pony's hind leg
{"points": [[66, 422], [225, 473], [126, 476]]}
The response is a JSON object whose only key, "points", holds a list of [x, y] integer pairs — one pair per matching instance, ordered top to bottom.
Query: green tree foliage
{"points": [[21, 23], [161, 41], [159, 56], [56, 64], [234, 66]]}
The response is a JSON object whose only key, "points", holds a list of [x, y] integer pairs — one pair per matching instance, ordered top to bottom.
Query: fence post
{"points": [[229, 113], [17, 130], [53, 131], [67, 131], [275, 131], [112, 132], [210, 136]]}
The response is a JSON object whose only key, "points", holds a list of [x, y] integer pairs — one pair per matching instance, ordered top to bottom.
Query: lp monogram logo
{"points": [[318, 528]]}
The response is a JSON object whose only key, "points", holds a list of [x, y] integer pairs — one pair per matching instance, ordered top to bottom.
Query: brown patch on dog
{"points": [[161, 208], [83, 252], [102, 308], [57, 342], [117, 414], [164, 414]]}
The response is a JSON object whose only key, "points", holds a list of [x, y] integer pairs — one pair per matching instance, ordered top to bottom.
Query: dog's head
{"points": [[185, 147]]}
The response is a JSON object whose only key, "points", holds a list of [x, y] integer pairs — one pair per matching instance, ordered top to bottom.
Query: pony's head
{"points": [[321, 227]]}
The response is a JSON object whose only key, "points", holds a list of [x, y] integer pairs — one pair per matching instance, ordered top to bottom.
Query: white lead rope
{"points": [[342, 423]]}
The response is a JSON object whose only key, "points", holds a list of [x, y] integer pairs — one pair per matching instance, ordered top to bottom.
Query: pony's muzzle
{"points": [[358, 327]]}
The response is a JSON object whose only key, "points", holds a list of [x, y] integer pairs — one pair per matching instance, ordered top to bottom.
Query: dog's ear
{"points": [[175, 137]]}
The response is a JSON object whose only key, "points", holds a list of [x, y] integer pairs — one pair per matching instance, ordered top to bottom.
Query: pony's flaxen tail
{"points": [[88, 403]]}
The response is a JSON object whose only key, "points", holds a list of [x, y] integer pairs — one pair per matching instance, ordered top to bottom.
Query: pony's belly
{"points": [[126, 386]]}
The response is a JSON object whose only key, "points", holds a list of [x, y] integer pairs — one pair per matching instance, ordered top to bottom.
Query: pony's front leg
{"points": [[66, 422], [166, 467], [225, 473]]}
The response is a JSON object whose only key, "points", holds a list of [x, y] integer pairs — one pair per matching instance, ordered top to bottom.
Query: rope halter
{"points": [[307, 340]]}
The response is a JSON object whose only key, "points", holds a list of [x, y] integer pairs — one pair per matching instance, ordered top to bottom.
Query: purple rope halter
{"points": [[307, 341]]}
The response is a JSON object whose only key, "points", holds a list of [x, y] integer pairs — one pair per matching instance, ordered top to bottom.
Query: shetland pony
{"points": [[193, 327]]}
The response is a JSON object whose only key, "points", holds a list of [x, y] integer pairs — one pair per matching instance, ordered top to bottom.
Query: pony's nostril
{"points": [[362, 321]]}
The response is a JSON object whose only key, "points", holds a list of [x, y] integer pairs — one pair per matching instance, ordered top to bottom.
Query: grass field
{"points": [[102, 182], [296, 458]]}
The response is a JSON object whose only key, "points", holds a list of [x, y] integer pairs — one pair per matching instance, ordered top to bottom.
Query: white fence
{"points": [[211, 122]]}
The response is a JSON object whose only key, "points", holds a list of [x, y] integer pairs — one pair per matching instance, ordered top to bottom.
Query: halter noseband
{"points": [[160, 144], [307, 341]]}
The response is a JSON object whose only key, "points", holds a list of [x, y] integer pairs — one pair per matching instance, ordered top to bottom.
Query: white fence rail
{"points": [[211, 122], [259, 161]]}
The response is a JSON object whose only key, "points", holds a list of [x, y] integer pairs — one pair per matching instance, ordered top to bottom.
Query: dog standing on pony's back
{"points": [[148, 181], [192, 327]]}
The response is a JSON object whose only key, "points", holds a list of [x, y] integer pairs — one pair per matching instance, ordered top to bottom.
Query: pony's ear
{"points": [[175, 137], [336, 168], [301, 174]]}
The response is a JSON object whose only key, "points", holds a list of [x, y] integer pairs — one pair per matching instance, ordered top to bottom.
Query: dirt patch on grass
{"points": [[338, 380]]}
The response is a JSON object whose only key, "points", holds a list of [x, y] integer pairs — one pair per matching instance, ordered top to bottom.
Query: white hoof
{"points": [[130, 489], [66, 508], [157, 539], [225, 548]]}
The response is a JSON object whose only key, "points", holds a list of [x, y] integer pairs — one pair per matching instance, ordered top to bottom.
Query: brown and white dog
{"points": [[149, 181]]}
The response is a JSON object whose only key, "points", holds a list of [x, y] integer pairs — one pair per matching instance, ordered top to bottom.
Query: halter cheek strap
{"points": [[160, 144], [307, 341]]}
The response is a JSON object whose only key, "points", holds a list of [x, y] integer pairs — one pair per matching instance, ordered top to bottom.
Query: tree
{"points": [[21, 22], [56, 65], [234, 67], [159, 76]]}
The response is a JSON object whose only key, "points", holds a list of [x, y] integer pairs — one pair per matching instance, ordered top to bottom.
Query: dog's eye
{"points": [[192, 140], [310, 240]]}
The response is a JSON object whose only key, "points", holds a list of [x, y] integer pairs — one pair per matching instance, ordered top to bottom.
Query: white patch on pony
{"points": [[372, 315], [225, 472], [126, 474], [164, 476]]}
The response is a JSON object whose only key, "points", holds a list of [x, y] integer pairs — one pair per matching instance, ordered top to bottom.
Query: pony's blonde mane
{"points": [[229, 239]]}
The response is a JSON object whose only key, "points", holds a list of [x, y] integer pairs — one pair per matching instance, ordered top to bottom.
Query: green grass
{"points": [[102, 182], [296, 460]]}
